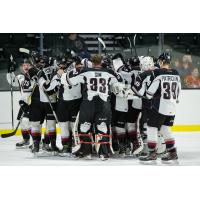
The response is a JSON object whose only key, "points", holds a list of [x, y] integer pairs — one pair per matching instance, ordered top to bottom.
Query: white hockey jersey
{"points": [[23, 82], [96, 82], [164, 91], [69, 92]]}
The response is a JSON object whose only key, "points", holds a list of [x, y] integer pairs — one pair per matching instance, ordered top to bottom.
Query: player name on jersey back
{"points": [[170, 78], [165, 88]]}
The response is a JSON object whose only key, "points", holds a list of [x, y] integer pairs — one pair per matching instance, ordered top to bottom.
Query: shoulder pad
{"points": [[20, 77]]}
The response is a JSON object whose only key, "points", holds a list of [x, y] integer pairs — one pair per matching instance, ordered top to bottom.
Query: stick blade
{"points": [[134, 38], [102, 42], [23, 50], [6, 135]]}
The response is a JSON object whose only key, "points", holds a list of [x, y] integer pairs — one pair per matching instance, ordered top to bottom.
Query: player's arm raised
{"points": [[74, 77]]}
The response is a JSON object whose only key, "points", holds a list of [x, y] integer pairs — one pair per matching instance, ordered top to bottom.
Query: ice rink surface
{"points": [[188, 145]]}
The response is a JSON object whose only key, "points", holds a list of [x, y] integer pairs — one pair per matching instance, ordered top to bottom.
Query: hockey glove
{"points": [[11, 67], [34, 73], [24, 106]]}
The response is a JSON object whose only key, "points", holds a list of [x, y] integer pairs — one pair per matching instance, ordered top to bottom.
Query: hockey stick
{"points": [[103, 44], [134, 44], [130, 46], [23, 50], [27, 51], [11, 92], [50, 104], [75, 130], [5, 135]]}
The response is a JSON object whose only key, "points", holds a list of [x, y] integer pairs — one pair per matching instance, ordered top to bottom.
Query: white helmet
{"points": [[146, 63]]}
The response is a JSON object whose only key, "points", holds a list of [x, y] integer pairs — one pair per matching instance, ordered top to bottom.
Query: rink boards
{"points": [[175, 128]]}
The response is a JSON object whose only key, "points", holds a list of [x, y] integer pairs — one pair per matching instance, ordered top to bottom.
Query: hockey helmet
{"points": [[165, 56], [134, 61], [43, 62], [146, 63]]}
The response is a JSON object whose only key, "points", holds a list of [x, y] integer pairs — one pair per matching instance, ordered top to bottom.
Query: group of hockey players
{"points": [[106, 106]]}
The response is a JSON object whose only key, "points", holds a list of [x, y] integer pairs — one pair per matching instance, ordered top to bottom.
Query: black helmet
{"points": [[118, 55], [36, 56], [166, 57], [61, 60], [77, 60], [26, 61], [134, 61], [43, 62], [106, 62]]}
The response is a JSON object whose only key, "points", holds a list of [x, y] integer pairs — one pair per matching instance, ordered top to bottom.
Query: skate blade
{"points": [[24, 147], [41, 154], [115, 154], [67, 155], [123, 155], [82, 157], [88, 157], [103, 158], [149, 162], [170, 162]]}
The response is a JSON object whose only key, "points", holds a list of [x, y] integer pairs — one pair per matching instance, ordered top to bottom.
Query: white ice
{"points": [[188, 145]]}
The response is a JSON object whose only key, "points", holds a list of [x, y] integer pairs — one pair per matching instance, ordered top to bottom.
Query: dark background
{"points": [[185, 48]]}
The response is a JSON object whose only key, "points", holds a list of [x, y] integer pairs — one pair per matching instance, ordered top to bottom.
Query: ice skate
{"points": [[24, 144], [115, 145], [30, 146], [46, 146], [36, 148], [54, 149], [128, 149], [44, 150], [122, 150], [145, 150], [66, 151], [84, 151], [103, 152], [104, 157], [170, 157], [149, 159]]}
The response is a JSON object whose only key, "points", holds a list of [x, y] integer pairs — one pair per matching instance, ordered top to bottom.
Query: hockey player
{"points": [[140, 83], [25, 85], [164, 92], [68, 105], [40, 108], [95, 109], [125, 115]]}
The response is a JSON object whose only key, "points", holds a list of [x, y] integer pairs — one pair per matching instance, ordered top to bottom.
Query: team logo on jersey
{"points": [[48, 70], [75, 73], [97, 74], [137, 83], [26, 84]]}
